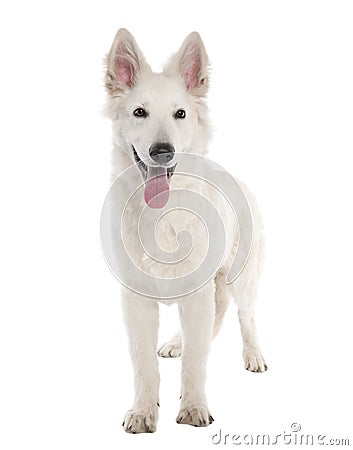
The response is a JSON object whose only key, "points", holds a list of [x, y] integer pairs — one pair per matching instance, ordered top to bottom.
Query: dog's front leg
{"points": [[197, 314], [141, 319]]}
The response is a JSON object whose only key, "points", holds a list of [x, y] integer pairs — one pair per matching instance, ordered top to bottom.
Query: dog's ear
{"points": [[124, 63], [191, 63]]}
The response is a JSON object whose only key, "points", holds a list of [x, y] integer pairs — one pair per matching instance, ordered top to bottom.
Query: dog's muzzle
{"points": [[162, 152], [157, 177]]}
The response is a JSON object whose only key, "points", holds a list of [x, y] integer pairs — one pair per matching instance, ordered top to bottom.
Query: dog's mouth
{"points": [[157, 179]]}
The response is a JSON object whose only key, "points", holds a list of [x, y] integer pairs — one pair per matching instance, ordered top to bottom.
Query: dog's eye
{"points": [[140, 112], [180, 114]]}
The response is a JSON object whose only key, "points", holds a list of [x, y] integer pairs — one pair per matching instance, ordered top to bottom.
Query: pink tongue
{"points": [[156, 187]]}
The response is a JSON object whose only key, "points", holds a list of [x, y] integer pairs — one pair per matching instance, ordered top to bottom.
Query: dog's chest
{"points": [[175, 241], [173, 246]]}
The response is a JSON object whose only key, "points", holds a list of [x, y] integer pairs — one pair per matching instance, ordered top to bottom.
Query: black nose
{"points": [[162, 152]]}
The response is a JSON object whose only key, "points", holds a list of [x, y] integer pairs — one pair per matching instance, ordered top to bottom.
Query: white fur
{"points": [[131, 84]]}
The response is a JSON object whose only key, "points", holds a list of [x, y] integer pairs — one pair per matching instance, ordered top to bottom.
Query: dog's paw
{"points": [[171, 349], [255, 363], [197, 416], [141, 421]]}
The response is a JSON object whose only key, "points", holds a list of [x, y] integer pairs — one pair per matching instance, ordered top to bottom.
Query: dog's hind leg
{"points": [[244, 289], [222, 297], [141, 320], [172, 348], [253, 359]]}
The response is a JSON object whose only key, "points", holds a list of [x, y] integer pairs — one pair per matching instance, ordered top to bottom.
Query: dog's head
{"points": [[157, 115]]}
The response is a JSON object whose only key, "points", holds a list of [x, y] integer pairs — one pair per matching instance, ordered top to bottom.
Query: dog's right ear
{"points": [[124, 63], [191, 64]]}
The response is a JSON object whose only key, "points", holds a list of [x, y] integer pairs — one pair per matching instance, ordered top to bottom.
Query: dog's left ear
{"points": [[125, 62], [191, 63]]}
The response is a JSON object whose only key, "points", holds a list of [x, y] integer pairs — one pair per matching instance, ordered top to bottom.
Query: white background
{"points": [[281, 103]]}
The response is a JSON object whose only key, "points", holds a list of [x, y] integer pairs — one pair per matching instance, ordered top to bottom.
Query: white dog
{"points": [[156, 116]]}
